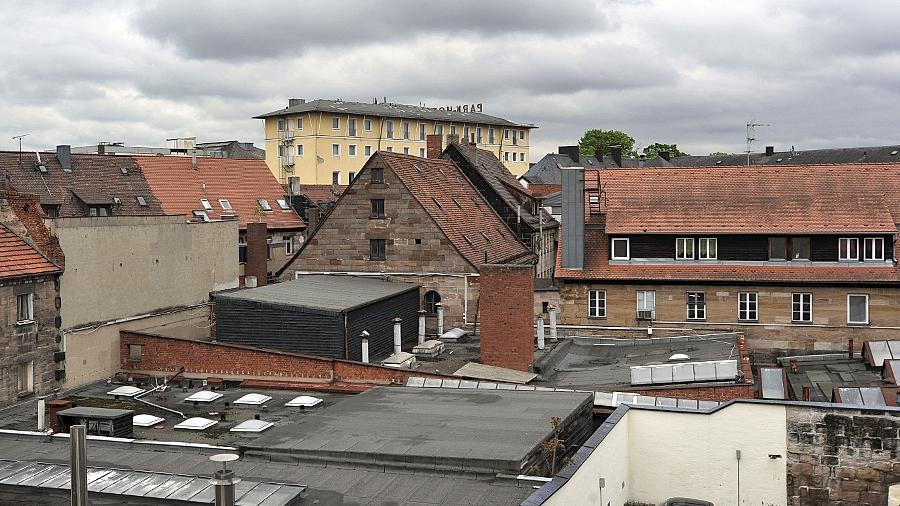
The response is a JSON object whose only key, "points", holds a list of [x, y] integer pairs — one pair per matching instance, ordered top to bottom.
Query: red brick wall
{"points": [[435, 145], [27, 208], [257, 252], [507, 312], [200, 359], [722, 393]]}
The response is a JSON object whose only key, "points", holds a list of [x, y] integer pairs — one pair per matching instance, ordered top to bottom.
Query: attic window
{"points": [[894, 152], [718, 162], [416, 166], [42, 168], [124, 170], [594, 199], [117, 201], [141, 201], [475, 201], [456, 202], [282, 203], [437, 203], [225, 204], [264, 204], [206, 205], [202, 215], [486, 238], [468, 240]]}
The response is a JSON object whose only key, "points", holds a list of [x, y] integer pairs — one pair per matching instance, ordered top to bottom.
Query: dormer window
{"points": [[225, 204], [264, 204], [206, 205], [201, 215], [620, 248], [684, 248], [708, 248], [848, 248], [873, 249]]}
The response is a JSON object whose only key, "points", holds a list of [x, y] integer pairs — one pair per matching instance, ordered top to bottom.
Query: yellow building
{"points": [[328, 141]]}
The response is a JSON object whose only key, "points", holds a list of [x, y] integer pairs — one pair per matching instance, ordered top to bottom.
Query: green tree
{"points": [[595, 138], [653, 150], [718, 153]]}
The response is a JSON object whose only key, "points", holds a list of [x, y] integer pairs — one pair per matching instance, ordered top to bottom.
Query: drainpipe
{"points": [[551, 311], [440, 316], [421, 326], [540, 331], [364, 336], [398, 342], [41, 421], [78, 469]]}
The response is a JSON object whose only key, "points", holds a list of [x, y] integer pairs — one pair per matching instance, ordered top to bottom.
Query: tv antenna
{"points": [[751, 131], [19, 137]]}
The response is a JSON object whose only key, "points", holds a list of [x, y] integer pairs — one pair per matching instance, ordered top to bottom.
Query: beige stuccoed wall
{"points": [[119, 267], [132, 273], [650, 456]]}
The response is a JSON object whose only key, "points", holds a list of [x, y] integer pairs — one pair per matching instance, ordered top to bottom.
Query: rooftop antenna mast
{"points": [[751, 131], [19, 137]]}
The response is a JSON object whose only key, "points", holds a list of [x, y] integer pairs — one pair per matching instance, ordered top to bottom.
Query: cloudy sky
{"points": [[822, 73]]}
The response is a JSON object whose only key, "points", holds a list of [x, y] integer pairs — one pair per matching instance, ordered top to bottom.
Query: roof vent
{"points": [[894, 152], [679, 357]]}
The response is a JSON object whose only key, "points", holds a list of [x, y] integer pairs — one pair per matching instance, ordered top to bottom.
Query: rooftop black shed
{"points": [[320, 315]]}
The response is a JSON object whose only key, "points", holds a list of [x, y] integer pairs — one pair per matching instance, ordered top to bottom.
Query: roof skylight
{"points": [[282, 203], [225, 204], [264, 204], [126, 391], [203, 396], [253, 399], [306, 401], [146, 420], [196, 423], [252, 426]]}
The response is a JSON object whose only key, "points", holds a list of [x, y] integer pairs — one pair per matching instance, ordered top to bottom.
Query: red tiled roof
{"points": [[179, 188], [542, 190], [321, 192], [772, 199], [457, 208], [18, 258], [597, 267]]}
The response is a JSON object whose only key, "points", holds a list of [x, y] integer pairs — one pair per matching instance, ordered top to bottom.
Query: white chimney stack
{"points": [[551, 311], [440, 316], [421, 326], [540, 331], [397, 337], [365, 346], [41, 407]]}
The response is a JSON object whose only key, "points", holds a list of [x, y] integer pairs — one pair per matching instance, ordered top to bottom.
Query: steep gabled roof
{"points": [[92, 178], [179, 188], [321, 192], [458, 209], [19, 258]]}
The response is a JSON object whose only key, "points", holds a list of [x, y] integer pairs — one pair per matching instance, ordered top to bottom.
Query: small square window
{"points": [[367, 125], [390, 149], [367, 151], [377, 175], [202, 215], [418, 241], [684, 248], [708, 248], [800, 248], [848, 248], [873, 248], [621, 249], [24, 308], [134, 352]]}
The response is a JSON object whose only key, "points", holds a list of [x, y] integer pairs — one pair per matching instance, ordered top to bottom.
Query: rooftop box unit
{"points": [[98, 421]]}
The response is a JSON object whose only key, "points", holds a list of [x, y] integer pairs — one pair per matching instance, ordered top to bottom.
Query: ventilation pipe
{"points": [[551, 312], [440, 316], [421, 326], [540, 331], [364, 337], [398, 343], [850, 349], [42, 420], [78, 464], [224, 479]]}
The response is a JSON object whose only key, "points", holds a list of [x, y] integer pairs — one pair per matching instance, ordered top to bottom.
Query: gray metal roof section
{"points": [[389, 110], [874, 154], [546, 170], [333, 293], [592, 363], [493, 373], [822, 373], [772, 379], [91, 412], [474, 430], [42, 478]]}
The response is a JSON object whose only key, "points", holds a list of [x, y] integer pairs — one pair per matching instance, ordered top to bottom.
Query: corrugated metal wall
{"points": [[378, 318], [275, 327]]}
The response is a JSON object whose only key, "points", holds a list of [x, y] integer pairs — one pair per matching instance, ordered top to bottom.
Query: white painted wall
{"points": [[651, 456]]}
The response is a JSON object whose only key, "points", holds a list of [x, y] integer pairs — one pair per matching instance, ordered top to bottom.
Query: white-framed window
{"points": [[300, 123], [335, 123], [281, 124], [389, 124], [367, 125], [351, 127], [406, 129], [439, 129], [452, 129], [421, 131], [466, 133], [506, 133], [522, 134], [478, 135], [490, 135], [390, 149], [281, 150], [299, 150], [335, 150], [351, 150], [367, 150], [405, 150], [422, 152], [506, 156], [522, 156], [351, 176], [336, 177], [264, 204], [283, 204], [206, 205], [226, 206], [288, 245], [620, 248], [684, 248], [709, 248], [848, 248], [873, 248], [597, 303], [646, 304], [696, 305], [748, 306], [801, 307], [24, 308], [857, 309], [25, 377]]}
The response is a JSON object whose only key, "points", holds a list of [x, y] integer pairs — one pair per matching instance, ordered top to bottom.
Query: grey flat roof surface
{"points": [[329, 292], [590, 362], [826, 372], [432, 428], [331, 485]]}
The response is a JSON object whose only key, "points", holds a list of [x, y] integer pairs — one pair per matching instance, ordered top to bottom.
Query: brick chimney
{"points": [[452, 139], [435, 145], [570, 151], [617, 154], [257, 252], [507, 310]]}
